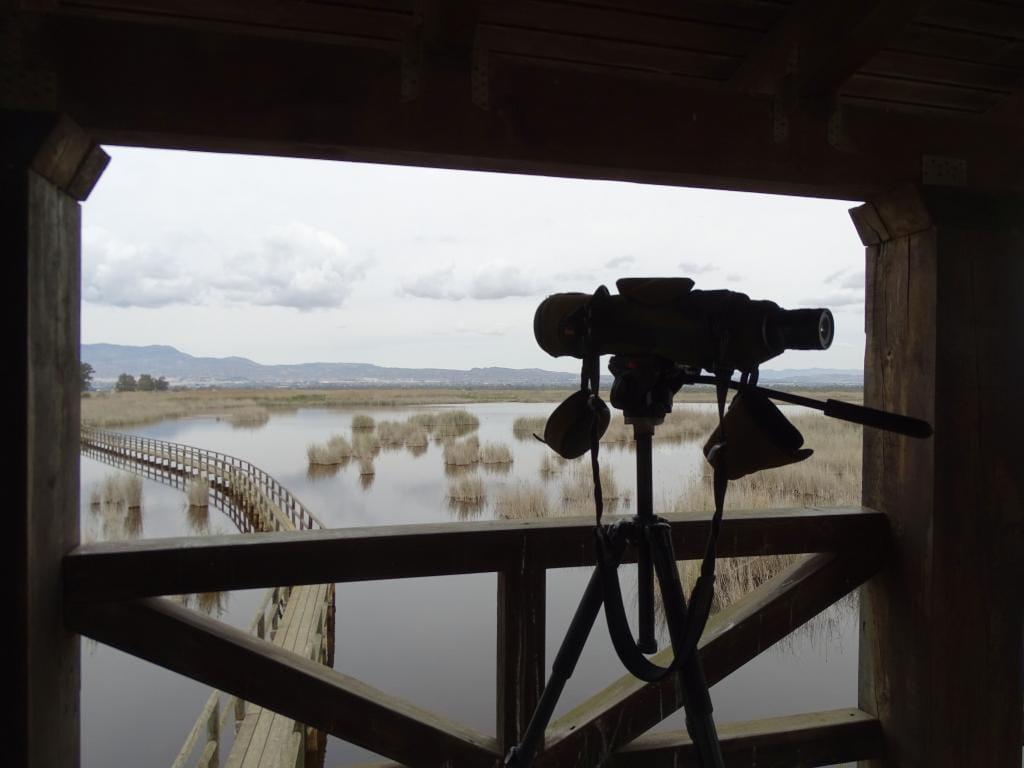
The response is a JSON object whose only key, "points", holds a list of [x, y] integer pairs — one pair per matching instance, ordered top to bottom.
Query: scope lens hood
{"points": [[556, 326]]}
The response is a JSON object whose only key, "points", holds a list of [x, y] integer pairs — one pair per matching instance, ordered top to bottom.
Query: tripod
{"points": [[643, 389]]}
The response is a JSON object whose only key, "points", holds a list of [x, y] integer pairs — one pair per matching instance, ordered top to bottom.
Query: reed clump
{"points": [[248, 417], [362, 421], [455, 423], [525, 427], [393, 434], [417, 437], [365, 445], [337, 450], [462, 453], [495, 453], [549, 467], [467, 489], [121, 490], [198, 491], [578, 492], [522, 501]]}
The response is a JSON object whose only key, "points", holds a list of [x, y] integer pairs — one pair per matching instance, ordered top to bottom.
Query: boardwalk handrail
{"points": [[283, 499], [255, 501]]}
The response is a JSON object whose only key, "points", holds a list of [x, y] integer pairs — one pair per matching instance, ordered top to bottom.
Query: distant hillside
{"points": [[181, 369]]}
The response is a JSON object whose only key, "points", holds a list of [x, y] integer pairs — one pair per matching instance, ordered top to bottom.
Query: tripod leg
{"points": [[521, 755]]}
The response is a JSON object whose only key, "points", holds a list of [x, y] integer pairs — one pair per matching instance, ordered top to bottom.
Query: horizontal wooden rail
{"points": [[120, 571]]}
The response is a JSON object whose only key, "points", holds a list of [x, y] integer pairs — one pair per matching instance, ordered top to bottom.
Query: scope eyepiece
{"points": [[799, 329]]}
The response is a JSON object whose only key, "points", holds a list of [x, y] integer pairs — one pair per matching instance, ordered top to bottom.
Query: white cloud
{"points": [[294, 265], [126, 275], [496, 280]]}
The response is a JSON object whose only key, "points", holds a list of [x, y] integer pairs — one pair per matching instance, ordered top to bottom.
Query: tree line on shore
{"points": [[125, 382]]}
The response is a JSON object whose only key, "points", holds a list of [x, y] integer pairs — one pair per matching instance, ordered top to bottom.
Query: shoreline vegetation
{"points": [[250, 408]]}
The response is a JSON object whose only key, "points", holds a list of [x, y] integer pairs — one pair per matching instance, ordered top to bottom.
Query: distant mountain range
{"points": [[181, 369]]}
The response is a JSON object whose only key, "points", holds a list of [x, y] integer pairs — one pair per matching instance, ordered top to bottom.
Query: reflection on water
{"points": [[324, 471], [198, 519], [447, 663]]}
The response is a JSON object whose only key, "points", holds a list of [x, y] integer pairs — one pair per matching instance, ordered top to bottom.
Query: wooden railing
{"points": [[235, 476], [255, 502], [111, 595], [206, 733]]}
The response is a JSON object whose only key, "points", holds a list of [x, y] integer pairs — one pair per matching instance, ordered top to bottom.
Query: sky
{"points": [[291, 261]]}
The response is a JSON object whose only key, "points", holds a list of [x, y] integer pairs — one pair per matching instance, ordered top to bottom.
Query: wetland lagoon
{"points": [[432, 641]]}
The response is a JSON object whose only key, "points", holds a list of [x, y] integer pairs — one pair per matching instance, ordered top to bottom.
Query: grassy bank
{"points": [[248, 408]]}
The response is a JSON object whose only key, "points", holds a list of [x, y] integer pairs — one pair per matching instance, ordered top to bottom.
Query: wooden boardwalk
{"points": [[299, 619]]}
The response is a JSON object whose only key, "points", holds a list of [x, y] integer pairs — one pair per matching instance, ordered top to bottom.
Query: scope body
{"points": [[665, 317]]}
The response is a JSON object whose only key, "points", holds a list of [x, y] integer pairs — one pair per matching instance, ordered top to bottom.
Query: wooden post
{"points": [[47, 167], [941, 627], [520, 636]]}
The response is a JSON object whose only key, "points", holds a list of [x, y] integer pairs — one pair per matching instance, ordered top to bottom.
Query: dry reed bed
{"points": [[119, 409], [362, 421], [682, 424], [525, 427], [336, 451], [462, 453], [495, 453], [831, 477], [467, 489], [198, 492], [522, 501], [116, 503]]}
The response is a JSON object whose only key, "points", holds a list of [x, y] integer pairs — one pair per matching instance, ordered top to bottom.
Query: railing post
{"points": [[520, 636]]}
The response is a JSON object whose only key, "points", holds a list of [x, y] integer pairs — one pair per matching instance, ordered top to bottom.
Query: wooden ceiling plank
{"points": [[744, 14], [996, 19], [316, 21], [589, 21], [820, 44], [959, 45], [605, 53], [840, 54], [941, 70], [916, 92], [269, 95]]}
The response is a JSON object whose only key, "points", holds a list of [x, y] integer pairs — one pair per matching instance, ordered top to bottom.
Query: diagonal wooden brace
{"points": [[228, 659], [628, 707]]}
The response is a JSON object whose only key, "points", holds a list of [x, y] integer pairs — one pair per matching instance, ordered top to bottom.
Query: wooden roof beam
{"points": [[820, 44]]}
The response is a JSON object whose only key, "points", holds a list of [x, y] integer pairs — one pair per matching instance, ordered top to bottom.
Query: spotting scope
{"points": [[719, 331]]}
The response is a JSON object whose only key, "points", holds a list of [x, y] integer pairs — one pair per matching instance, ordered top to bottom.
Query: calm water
{"points": [[431, 641]]}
